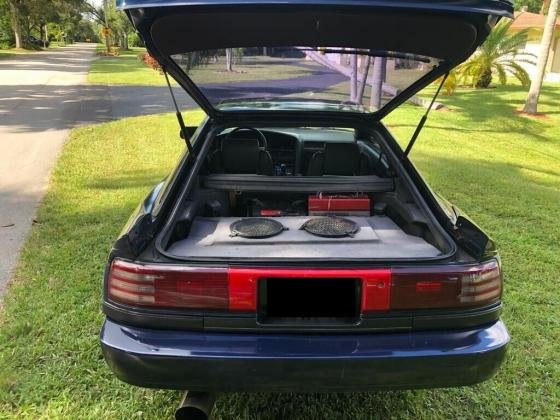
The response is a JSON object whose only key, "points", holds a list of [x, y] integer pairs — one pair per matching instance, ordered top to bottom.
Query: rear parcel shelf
{"points": [[310, 184]]}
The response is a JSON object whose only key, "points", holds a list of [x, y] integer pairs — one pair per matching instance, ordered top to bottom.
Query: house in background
{"points": [[535, 24]]}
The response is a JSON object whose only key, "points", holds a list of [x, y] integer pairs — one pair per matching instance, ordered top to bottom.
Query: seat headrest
{"points": [[240, 155], [341, 159]]}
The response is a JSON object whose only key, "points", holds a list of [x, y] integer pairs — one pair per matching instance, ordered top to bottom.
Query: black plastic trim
{"points": [[263, 183], [248, 322]]}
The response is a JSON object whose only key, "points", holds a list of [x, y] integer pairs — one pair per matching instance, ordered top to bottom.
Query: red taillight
{"points": [[169, 286], [445, 286], [383, 289]]}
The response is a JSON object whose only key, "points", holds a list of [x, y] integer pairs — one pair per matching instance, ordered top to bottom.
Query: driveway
{"points": [[42, 96], [135, 100]]}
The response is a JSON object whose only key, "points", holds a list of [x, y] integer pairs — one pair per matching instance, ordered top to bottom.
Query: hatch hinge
{"points": [[179, 117], [424, 118]]}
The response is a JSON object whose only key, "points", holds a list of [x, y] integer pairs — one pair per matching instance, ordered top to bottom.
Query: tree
{"points": [[533, 6], [15, 12], [28, 15], [115, 25], [106, 29], [6, 32], [546, 41], [232, 55], [499, 55], [229, 59], [378, 75], [353, 77], [363, 83]]}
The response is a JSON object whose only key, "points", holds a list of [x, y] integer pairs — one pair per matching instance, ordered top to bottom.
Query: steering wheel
{"points": [[260, 136]]}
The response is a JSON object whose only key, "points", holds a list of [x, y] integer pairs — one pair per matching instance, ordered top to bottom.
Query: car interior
{"points": [[247, 150]]}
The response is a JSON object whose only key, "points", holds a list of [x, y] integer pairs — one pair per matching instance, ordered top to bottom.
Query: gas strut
{"points": [[179, 117], [424, 118]]}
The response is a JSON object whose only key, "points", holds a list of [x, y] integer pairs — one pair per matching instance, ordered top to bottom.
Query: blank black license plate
{"points": [[309, 299]]}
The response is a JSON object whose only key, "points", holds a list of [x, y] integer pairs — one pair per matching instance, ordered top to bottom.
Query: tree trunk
{"points": [[106, 16], [16, 22], [46, 33], [125, 41], [546, 41], [229, 59], [354, 77], [485, 79], [363, 83], [376, 87]]}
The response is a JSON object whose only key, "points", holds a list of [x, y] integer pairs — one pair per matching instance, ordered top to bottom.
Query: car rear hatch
{"points": [[429, 36]]}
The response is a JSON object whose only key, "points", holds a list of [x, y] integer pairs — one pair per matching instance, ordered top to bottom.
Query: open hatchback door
{"points": [[246, 56]]}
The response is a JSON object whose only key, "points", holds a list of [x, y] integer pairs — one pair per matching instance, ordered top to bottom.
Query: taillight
{"points": [[168, 285], [445, 286], [383, 289]]}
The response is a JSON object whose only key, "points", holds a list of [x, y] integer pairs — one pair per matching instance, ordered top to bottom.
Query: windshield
{"points": [[302, 78]]}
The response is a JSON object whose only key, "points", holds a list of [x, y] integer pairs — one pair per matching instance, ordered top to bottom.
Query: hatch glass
{"points": [[302, 78]]}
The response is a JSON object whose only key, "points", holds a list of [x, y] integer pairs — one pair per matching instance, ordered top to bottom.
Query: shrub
{"points": [[134, 40], [150, 61]]}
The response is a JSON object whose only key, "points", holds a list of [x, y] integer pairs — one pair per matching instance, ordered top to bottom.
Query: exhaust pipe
{"points": [[195, 406]]}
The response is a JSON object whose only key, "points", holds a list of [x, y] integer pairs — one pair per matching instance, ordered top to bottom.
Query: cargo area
{"points": [[301, 195], [237, 226], [377, 237]]}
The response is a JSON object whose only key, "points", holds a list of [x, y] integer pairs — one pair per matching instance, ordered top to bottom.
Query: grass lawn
{"points": [[11, 52], [126, 68], [252, 68], [123, 69], [502, 169]]}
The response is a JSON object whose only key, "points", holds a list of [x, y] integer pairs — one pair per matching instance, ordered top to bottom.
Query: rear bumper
{"points": [[299, 363]]}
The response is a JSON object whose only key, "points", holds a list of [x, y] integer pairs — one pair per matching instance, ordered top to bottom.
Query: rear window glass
{"points": [[302, 78]]}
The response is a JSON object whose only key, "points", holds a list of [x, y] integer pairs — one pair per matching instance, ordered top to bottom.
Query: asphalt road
{"points": [[42, 96], [133, 100]]}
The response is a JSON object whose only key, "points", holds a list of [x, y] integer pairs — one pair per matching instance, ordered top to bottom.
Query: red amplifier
{"points": [[341, 205]]}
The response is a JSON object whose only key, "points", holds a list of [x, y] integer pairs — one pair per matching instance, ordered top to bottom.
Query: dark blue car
{"points": [[295, 247]]}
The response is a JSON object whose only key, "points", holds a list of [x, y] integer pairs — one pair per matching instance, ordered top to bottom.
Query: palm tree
{"points": [[546, 41], [499, 56]]}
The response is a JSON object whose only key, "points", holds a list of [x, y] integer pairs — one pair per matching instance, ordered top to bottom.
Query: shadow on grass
{"points": [[480, 105], [493, 111], [125, 179]]}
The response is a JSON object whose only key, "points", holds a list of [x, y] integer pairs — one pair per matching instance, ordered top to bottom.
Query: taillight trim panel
{"points": [[169, 318]]}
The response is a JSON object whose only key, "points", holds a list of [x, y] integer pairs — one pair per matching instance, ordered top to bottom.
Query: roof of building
{"points": [[528, 20]]}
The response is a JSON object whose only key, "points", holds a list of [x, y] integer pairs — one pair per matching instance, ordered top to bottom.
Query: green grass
{"points": [[56, 44], [30, 49], [12, 52], [252, 68], [123, 69], [127, 69], [501, 168]]}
